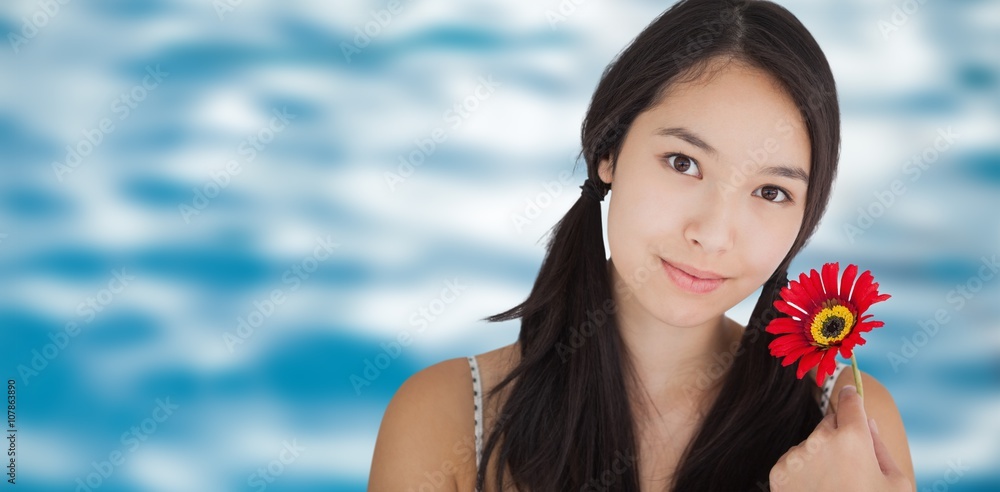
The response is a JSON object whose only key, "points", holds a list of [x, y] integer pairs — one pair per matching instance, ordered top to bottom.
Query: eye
{"points": [[683, 164], [772, 194]]}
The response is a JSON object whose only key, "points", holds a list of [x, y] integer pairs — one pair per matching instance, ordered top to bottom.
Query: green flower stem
{"points": [[857, 376]]}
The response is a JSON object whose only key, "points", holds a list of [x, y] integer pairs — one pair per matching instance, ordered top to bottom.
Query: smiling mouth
{"points": [[689, 282]]}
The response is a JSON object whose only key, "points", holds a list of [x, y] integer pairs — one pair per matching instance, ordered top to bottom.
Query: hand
{"points": [[844, 452]]}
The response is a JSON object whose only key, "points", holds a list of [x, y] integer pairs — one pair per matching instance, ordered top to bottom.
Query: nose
{"points": [[710, 225]]}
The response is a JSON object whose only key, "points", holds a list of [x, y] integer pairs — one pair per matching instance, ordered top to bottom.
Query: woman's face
{"points": [[713, 181]]}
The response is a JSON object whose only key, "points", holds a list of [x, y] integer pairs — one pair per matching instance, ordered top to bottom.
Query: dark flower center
{"points": [[832, 326]]}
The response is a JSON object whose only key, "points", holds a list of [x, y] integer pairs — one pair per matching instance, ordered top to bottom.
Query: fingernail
{"points": [[847, 387], [874, 427]]}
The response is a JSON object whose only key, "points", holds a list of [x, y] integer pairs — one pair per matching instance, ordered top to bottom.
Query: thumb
{"points": [[885, 461]]}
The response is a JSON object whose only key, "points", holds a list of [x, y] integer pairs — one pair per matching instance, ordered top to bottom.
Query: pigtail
{"points": [[565, 421]]}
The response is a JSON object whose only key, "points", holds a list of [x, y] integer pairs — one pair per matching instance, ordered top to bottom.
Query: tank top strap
{"points": [[828, 386], [477, 400]]}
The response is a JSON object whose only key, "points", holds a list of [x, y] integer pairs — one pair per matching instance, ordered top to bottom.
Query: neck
{"points": [[679, 368]]}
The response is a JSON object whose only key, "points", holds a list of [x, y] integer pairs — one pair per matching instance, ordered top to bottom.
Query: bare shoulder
{"points": [[495, 364], [880, 405], [423, 439]]}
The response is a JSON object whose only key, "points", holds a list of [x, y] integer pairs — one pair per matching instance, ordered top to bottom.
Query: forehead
{"points": [[735, 109]]}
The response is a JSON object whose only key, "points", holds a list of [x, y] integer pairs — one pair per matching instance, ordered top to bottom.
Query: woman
{"points": [[718, 130]]}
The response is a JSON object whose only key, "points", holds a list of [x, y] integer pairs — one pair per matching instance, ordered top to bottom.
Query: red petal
{"points": [[830, 271], [848, 281], [813, 287], [862, 287], [795, 294], [872, 297], [786, 308], [783, 325], [868, 326], [784, 343], [848, 344], [845, 351], [793, 355], [809, 360], [826, 366]]}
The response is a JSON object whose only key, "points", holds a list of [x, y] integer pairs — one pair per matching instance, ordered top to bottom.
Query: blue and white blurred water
{"points": [[198, 213]]}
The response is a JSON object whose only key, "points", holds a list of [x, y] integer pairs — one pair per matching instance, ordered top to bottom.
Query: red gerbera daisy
{"points": [[824, 316]]}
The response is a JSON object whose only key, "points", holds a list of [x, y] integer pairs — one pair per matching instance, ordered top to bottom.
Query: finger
{"points": [[851, 410], [828, 423], [819, 436], [788, 454], [885, 461]]}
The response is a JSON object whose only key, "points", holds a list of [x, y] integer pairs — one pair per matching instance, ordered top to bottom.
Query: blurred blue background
{"points": [[216, 217]]}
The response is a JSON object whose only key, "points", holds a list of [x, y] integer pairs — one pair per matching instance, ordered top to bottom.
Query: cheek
{"points": [[640, 221], [634, 229], [768, 241]]}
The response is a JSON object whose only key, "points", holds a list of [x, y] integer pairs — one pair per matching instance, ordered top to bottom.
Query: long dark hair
{"points": [[566, 422]]}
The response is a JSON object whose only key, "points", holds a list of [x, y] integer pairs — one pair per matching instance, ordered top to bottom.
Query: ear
{"points": [[604, 170]]}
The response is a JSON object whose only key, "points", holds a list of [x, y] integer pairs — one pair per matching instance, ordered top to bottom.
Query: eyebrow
{"points": [[693, 139]]}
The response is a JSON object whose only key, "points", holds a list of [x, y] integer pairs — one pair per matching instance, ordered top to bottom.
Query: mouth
{"points": [[692, 279]]}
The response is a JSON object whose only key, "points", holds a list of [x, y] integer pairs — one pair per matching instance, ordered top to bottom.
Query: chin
{"points": [[682, 313]]}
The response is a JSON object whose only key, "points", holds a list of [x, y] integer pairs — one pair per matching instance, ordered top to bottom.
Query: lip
{"points": [[692, 279]]}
